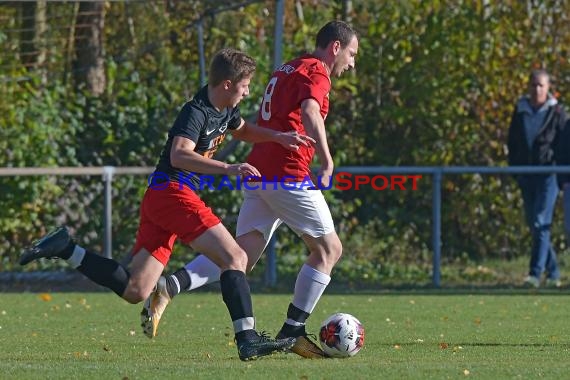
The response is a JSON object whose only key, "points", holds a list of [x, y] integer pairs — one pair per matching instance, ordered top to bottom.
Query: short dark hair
{"points": [[335, 31], [230, 64], [536, 73]]}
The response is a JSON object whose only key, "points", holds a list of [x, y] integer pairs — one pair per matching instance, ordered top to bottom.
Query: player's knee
{"points": [[338, 249], [334, 250], [330, 252], [237, 260], [241, 260], [135, 293], [133, 297]]}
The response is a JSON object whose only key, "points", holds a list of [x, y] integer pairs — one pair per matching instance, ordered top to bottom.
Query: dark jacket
{"points": [[542, 150], [562, 152]]}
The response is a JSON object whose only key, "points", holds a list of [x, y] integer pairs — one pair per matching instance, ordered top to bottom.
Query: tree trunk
{"points": [[347, 10], [32, 37], [88, 66]]}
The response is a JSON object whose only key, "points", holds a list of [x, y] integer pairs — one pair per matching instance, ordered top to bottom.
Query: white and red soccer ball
{"points": [[341, 335]]}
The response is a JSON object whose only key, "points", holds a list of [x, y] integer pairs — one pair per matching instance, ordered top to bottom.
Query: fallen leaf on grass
{"points": [[45, 297], [443, 345]]}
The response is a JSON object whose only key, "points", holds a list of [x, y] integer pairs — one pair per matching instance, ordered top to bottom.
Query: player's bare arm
{"points": [[315, 127], [252, 133], [183, 156]]}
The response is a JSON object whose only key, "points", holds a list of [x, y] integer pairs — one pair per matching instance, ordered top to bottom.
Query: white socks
{"points": [[202, 271], [309, 287], [247, 323]]}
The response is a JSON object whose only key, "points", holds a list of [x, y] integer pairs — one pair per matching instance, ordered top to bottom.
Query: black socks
{"points": [[105, 272], [177, 282], [236, 294], [237, 297], [297, 315]]}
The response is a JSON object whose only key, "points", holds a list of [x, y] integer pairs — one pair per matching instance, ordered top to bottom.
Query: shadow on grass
{"points": [[71, 281]]}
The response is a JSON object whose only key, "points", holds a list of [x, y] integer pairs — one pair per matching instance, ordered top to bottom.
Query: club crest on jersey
{"points": [[288, 69]]}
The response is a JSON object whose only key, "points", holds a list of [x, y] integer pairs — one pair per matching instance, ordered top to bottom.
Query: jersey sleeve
{"points": [[315, 86], [189, 123]]}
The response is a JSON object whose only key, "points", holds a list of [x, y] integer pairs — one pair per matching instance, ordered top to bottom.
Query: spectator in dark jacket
{"points": [[536, 122]]}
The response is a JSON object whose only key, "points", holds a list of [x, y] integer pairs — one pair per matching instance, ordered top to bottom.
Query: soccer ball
{"points": [[341, 335]]}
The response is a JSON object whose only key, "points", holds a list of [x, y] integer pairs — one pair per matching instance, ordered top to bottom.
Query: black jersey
{"points": [[202, 123]]}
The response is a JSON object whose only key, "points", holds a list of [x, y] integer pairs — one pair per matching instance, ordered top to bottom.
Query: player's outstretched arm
{"points": [[290, 140]]}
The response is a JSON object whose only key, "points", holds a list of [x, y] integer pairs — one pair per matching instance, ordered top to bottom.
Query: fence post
{"points": [[278, 44], [108, 172], [436, 227], [271, 267]]}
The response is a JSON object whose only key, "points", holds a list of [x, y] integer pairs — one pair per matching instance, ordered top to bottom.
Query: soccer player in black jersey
{"points": [[171, 209]]}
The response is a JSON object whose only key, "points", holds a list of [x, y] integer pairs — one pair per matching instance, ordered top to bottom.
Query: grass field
{"points": [[408, 336]]}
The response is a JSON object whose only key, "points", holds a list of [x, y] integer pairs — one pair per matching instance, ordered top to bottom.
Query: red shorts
{"points": [[170, 213]]}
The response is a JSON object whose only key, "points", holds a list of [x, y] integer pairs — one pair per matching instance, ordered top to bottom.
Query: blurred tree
{"points": [[33, 39], [89, 64], [435, 84]]}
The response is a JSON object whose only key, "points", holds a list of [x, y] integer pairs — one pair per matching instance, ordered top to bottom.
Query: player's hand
{"points": [[293, 140], [243, 170], [323, 178]]}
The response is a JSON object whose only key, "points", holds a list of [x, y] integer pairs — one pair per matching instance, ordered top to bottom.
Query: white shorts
{"points": [[304, 211]]}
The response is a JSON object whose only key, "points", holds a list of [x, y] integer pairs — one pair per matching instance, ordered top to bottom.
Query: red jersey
{"points": [[302, 78]]}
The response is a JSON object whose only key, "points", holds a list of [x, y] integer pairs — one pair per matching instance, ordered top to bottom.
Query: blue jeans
{"points": [[539, 194]]}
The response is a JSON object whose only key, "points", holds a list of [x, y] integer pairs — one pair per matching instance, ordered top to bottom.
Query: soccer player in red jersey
{"points": [[296, 99]]}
